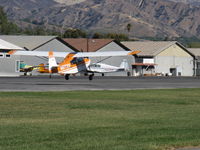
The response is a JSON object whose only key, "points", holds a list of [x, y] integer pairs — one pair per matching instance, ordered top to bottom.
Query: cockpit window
{"points": [[79, 59], [76, 60], [73, 61], [96, 65]]}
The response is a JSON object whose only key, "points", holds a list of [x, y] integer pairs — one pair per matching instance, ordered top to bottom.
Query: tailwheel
{"points": [[67, 77], [91, 77]]}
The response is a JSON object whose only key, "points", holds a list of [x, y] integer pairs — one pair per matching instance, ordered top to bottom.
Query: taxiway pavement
{"points": [[57, 83]]}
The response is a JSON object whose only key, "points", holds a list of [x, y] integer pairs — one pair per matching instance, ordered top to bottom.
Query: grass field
{"points": [[100, 120]]}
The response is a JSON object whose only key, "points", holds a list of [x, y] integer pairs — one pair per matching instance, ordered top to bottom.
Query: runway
{"points": [[58, 83]]}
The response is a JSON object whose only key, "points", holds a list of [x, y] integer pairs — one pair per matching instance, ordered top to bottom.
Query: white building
{"points": [[38, 43], [196, 53], [161, 58], [9, 65]]}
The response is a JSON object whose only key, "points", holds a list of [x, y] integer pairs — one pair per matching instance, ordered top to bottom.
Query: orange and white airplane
{"points": [[74, 63]]}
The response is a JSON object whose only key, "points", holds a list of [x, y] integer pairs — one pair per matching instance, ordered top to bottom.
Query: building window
{"points": [[1, 55], [8, 56]]}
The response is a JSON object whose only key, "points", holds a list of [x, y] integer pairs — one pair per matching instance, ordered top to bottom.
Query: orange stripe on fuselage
{"points": [[74, 66]]}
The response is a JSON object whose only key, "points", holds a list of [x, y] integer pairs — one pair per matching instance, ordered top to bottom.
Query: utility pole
{"points": [[130, 9], [87, 45]]}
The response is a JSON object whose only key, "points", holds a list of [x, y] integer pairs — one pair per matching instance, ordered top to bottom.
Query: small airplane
{"points": [[74, 63], [105, 68], [27, 69]]}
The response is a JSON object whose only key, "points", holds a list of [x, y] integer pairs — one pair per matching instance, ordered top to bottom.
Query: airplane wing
{"points": [[38, 53], [79, 54], [106, 54]]}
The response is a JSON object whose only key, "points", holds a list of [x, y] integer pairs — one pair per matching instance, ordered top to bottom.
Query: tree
{"points": [[7, 27], [128, 27], [74, 33], [97, 35], [117, 37]]}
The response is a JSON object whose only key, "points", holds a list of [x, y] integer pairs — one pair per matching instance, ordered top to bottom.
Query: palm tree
{"points": [[128, 27]]}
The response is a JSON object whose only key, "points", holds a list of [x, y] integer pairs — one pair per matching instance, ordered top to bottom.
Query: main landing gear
{"points": [[27, 74], [67, 77], [91, 77]]}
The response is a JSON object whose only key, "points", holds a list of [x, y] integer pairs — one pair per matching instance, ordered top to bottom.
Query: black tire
{"points": [[25, 73], [103, 74], [128, 74], [67, 77], [91, 77]]}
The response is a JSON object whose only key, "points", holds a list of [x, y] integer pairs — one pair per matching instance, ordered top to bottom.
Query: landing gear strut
{"points": [[91, 76], [67, 77]]}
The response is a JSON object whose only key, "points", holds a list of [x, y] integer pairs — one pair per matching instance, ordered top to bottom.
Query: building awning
{"points": [[143, 64]]}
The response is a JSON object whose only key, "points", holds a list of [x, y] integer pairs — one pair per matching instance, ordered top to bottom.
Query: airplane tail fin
{"points": [[52, 61], [124, 65]]}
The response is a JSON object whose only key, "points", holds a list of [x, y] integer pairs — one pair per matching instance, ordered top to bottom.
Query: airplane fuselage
{"points": [[74, 66]]}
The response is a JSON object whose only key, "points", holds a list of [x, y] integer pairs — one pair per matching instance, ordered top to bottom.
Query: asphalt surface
{"points": [[58, 83]]}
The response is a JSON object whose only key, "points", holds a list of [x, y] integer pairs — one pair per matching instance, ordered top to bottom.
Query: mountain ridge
{"points": [[158, 18]]}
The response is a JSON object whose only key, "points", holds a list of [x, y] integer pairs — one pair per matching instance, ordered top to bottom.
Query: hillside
{"points": [[187, 1], [69, 2], [159, 18]]}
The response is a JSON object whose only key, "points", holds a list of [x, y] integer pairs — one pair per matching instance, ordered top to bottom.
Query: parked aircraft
{"points": [[74, 63], [27, 69]]}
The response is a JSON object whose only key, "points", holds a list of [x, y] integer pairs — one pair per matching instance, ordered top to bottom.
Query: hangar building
{"points": [[38, 43], [101, 45], [196, 53], [161, 58], [9, 65]]}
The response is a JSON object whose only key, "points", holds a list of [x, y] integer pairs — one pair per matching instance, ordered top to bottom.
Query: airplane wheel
{"points": [[103, 74], [67, 77], [91, 77]]}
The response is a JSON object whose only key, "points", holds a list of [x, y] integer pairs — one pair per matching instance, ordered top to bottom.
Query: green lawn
{"points": [[100, 120]]}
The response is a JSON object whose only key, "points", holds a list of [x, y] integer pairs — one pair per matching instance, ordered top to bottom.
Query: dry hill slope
{"points": [[153, 18]]}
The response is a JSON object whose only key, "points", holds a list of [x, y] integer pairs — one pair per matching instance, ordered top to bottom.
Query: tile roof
{"points": [[88, 45], [149, 48]]}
